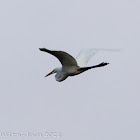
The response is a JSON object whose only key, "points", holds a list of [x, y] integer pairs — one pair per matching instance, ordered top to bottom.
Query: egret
{"points": [[70, 65]]}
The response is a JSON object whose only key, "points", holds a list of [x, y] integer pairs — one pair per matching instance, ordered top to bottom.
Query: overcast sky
{"points": [[100, 104]]}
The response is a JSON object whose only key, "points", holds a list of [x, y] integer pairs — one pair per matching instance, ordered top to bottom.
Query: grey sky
{"points": [[101, 104]]}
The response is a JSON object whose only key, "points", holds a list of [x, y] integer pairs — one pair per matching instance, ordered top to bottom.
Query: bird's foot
{"points": [[103, 64]]}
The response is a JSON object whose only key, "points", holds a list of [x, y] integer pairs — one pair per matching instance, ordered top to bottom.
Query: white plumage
{"points": [[72, 66]]}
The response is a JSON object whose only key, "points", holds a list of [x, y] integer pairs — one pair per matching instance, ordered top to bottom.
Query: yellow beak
{"points": [[49, 74]]}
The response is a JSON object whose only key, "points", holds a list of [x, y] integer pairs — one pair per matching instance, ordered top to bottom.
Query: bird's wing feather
{"points": [[85, 54], [65, 58]]}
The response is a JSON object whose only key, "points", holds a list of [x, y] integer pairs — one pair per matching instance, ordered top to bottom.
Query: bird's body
{"points": [[71, 66], [65, 71]]}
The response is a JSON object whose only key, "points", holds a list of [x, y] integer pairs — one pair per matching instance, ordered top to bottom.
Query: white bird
{"points": [[72, 66]]}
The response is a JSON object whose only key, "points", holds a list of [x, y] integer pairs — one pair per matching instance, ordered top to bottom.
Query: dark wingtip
{"points": [[41, 49], [44, 49]]}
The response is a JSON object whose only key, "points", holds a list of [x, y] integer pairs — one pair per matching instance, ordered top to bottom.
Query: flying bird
{"points": [[72, 66]]}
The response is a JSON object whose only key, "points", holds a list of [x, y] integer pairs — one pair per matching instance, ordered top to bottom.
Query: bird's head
{"points": [[54, 71]]}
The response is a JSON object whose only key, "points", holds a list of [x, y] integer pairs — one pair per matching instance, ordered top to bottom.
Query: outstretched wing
{"points": [[85, 54], [65, 58]]}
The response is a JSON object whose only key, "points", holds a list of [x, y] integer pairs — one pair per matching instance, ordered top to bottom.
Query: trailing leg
{"points": [[96, 66]]}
